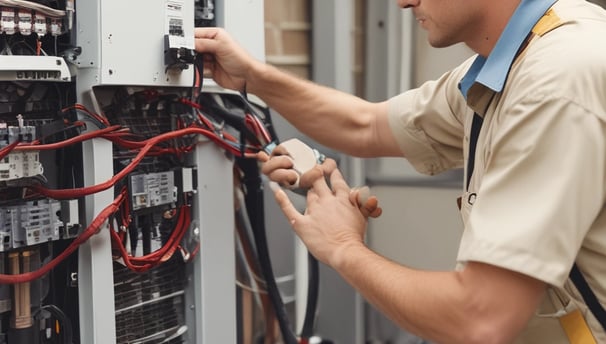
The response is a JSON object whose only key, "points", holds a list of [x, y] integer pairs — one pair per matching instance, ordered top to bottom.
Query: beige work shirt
{"points": [[535, 203]]}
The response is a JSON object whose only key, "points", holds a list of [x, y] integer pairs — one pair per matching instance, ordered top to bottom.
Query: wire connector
{"points": [[177, 55], [304, 157]]}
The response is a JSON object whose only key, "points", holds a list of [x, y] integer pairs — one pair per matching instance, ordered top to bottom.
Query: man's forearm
{"points": [[333, 118], [445, 307]]}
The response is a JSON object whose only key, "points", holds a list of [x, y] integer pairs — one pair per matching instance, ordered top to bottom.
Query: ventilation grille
{"points": [[150, 307]]}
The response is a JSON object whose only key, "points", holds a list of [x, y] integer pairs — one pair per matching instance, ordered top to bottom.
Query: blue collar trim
{"points": [[492, 71]]}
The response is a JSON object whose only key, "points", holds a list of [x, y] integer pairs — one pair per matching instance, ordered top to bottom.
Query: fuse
{"points": [[7, 20], [25, 22], [40, 25], [56, 26]]}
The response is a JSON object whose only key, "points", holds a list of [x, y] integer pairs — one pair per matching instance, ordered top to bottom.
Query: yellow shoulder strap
{"points": [[576, 328]]}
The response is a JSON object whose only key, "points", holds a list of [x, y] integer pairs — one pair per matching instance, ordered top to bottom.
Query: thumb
{"points": [[262, 156], [367, 203]]}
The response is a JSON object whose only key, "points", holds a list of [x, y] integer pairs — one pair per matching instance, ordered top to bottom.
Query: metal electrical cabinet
{"points": [[69, 68]]}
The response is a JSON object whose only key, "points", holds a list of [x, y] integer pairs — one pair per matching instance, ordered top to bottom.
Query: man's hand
{"points": [[224, 60], [279, 168], [368, 204], [331, 222]]}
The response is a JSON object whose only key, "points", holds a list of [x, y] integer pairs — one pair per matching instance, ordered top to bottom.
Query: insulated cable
{"points": [[150, 143], [254, 202], [91, 230], [244, 233], [313, 286]]}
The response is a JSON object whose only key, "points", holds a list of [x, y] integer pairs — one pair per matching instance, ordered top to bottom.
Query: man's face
{"points": [[447, 21]]}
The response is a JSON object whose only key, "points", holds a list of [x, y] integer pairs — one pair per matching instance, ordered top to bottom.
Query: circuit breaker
{"points": [[116, 209]]}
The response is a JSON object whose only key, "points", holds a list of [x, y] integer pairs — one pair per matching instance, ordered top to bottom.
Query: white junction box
{"points": [[130, 49]]}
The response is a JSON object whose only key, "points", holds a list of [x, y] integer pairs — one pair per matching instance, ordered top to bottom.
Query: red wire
{"points": [[190, 103], [87, 111], [264, 133], [80, 138], [150, 143], [147, 147], [6, 150], [91, 230], [194, 253], [144, 263]]}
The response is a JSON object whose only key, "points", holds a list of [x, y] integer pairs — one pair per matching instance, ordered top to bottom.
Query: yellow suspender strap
{"points": [[576, 328]]}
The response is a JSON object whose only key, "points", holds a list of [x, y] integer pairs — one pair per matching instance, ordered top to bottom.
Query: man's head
{"points": [[477, 23]]}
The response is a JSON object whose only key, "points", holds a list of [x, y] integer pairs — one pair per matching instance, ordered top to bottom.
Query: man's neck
{"points": [[497, 16]]}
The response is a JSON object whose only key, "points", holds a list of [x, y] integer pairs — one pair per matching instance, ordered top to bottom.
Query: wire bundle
{"points": [[235, 126], [141, 148], [92, 229], [149, 261]]}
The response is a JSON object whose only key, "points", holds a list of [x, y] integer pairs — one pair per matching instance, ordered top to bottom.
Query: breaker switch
{"points": [[177, 56]]}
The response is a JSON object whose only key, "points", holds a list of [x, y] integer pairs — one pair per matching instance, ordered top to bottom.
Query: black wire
{"points": [[198, 74], [254, 109], [233, 117], [269, 125], [254, 204], [255, 210], [313, 288], [63, 320]]}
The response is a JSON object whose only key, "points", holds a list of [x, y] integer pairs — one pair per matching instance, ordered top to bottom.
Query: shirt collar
{"points": [[492, 71]]}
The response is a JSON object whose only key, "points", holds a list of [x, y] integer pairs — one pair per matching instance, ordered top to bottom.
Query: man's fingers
{"points": [[206, 32], [206, 39], [207, 45], [279, 150], [262, 156], [277, 163], [328, 166], [279, 169], [286, 178], [309, 178], [338, 183], [320, 184], [363, 195], [368, 204], [371, 208], [289, 210], [376, 213]]}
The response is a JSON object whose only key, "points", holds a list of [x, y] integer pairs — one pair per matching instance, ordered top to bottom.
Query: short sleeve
{"points": [[428, 122]]}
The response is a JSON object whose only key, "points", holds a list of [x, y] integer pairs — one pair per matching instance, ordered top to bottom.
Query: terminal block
{"points": [[152, 189], [30, 224]]}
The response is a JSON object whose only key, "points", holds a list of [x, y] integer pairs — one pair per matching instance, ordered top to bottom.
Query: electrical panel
{"points": [[125, 40], [36, 88], [116, 164]]}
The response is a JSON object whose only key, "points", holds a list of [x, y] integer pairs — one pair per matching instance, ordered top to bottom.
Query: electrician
{"points": [[525, 118]]}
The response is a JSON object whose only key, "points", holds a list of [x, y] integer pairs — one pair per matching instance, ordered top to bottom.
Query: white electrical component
{"points": [[7, 20], [25, 22], [40, 25], [56, 26], [131, 47], [33, 68], [304, 158], [20, 165], [187, 176], [152, 189], [69, 213], [30, 224]]}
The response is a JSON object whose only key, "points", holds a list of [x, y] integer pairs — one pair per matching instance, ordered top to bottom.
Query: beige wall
{"points": [[288, 25], [288, 34], [359, 58]]}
